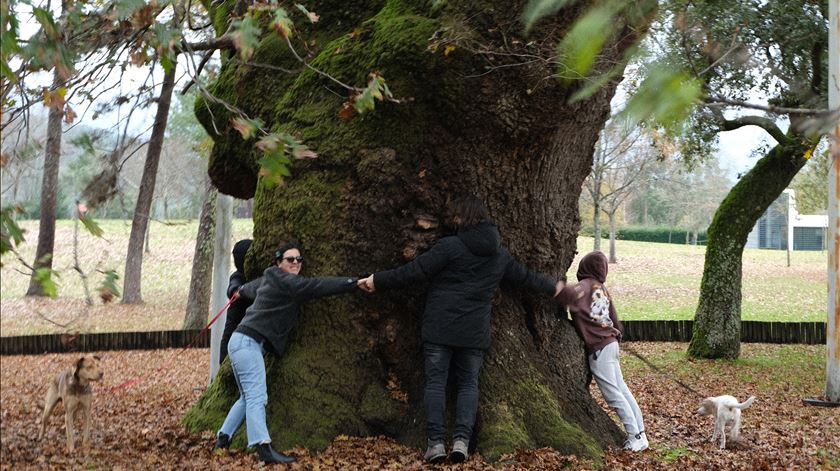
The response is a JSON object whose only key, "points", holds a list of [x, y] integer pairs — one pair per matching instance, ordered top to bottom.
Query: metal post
{"points": [[791, 215], [221, 273], [832, 389]]}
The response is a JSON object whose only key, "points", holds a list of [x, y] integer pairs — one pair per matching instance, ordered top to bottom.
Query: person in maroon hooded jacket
{"points": [[595, 319]]}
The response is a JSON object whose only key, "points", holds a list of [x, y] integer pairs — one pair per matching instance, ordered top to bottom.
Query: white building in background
{"points": [[781, 223]]}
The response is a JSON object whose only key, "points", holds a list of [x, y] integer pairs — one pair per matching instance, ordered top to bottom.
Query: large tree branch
{"points": [[224, 41], [715, 100], [765, 123]]}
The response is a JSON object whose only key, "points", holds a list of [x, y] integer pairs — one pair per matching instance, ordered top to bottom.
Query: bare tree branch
{"points": [[224, 41], [716, 100], [765, 123]]}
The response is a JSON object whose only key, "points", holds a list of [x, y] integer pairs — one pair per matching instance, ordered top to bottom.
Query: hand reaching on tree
{"points": [[366, 284], [559, 287]]}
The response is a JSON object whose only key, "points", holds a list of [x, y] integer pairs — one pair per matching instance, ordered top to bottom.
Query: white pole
{"points": [[791, 216], [221, 275], [832, 388]]}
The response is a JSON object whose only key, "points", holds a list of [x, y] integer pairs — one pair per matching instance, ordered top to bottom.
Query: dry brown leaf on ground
{"points": [[138, 426]]}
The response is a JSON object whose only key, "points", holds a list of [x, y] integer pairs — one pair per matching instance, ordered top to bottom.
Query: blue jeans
{"points": [[246, 358], [467, 363]]}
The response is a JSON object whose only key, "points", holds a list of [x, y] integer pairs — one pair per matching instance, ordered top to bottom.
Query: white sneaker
{"points": [[645, 443], [636, 444]]}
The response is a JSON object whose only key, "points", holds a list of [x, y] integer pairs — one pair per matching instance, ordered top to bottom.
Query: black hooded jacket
{"points": [[463, 271], [236, 311]]}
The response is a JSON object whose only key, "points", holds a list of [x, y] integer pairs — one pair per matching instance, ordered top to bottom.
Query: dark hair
{"points": [[470, 210], [287, 246], [239, 251]]}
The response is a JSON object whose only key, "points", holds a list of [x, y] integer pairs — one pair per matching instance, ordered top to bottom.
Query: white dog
{"points": [[727, 410]]}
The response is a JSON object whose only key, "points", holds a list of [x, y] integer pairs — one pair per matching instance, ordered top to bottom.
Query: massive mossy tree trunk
{"points": [[376, 196], [717, 322]]}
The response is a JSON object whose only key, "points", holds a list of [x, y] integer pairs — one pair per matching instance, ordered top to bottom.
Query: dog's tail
{"points": [[745, 404]]}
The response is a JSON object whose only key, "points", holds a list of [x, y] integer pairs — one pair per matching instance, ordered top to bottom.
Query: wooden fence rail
{"points": [[651, 331], [751, 331], [58, 343]]}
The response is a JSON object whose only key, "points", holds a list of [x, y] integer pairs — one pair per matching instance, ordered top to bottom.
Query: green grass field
{"points": [[649, 281], [662, 281]]}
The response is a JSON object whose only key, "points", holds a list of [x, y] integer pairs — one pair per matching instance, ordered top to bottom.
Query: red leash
{"points": [[166, 366]]}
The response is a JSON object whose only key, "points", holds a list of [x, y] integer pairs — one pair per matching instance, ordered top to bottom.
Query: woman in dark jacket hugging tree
{"points": [[464, 271], [267, 324]]}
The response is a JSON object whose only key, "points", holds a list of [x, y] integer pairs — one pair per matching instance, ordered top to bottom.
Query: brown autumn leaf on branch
{"points": [[54, 99], [69, 115]]}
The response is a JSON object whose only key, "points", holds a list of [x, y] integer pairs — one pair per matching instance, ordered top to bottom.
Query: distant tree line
{"points": [[180, 188]]}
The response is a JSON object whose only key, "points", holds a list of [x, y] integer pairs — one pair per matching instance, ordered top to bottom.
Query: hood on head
{"points": [[481, 239], [239, 250], [593, 265]]}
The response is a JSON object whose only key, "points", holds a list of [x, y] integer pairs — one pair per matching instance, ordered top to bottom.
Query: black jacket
{"points": [[463, 271], [277, 297], [236, 311]]}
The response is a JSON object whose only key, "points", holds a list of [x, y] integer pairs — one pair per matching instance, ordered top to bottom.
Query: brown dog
{"points": [[73, 389]]}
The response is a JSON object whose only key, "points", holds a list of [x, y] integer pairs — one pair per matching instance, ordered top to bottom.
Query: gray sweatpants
{"points": [[607, 372]]}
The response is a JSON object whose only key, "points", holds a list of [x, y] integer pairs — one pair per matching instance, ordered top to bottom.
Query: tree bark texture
{"points": [[49, 195], [376, 197], [142, 211], [198, 300], [717, 321]]}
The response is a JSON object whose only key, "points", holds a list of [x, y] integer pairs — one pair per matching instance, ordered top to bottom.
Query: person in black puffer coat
{"points": [[463, 272], [236, 310]]}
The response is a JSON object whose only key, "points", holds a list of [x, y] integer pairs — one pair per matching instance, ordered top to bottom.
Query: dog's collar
{"points": [[80, 389]]}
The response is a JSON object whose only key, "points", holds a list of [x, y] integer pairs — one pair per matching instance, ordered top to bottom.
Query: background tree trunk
{"points": [[49, 194], [376, 197], [142, 211], [611, 216], [596, 219], [147, 244], [198, 300], [717, 322]]}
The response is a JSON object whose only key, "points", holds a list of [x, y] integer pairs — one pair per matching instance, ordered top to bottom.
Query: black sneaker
{"points": [[222, 441], [268, 455]]}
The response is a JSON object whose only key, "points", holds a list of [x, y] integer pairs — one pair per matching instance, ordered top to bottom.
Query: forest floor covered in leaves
{"points": [[138, 427]]}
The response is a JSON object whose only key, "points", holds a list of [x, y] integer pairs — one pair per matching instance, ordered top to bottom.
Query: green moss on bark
{"points": [[392, 42], [356, 208], [717, 323], [212, 407], [530, 417]]}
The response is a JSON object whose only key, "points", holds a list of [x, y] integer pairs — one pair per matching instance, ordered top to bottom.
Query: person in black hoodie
{"points": [[464, 272], [236, 310], [267, 325]]}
